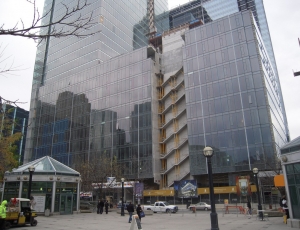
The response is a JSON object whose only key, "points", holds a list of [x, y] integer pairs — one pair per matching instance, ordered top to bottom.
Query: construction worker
{"points": [[2, 214]]}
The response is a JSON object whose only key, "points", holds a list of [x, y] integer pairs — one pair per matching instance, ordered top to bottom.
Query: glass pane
{"points": [[297, 168], [289, 169], [291, 179]]}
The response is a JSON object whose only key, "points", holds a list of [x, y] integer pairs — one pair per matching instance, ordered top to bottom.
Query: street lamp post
{"points": [[208, 153], [31, 170], [255, 172], [122, 207]]}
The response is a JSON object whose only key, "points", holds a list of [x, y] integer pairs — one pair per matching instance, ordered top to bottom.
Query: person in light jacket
{"points": [[3, 214]]}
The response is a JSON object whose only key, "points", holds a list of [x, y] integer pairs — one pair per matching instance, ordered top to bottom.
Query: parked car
{"points": [[86, 205], [161, 206], [200, 206]]}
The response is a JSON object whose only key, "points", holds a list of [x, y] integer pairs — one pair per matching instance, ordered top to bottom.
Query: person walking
{"points": [[101, 204], [106, 204], [98, 206], [285, 207], [130, 210], [138, 211], [249, 211], [3, 214]]}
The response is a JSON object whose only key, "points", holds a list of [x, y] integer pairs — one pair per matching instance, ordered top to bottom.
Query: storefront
{"points": [[290, 158], [54, 185], [222, 194]]}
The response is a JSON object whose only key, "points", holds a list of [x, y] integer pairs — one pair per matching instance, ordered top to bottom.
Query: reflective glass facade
{"points": [[215, 9], [98, 94], [232, 97], [84, 101], [108, 111], [293, 181]]}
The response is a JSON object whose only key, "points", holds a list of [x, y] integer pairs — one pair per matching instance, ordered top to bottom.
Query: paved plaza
{"points": [[183, 220]]}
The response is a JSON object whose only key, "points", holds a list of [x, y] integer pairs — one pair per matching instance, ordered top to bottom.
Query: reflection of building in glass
{"points": [[206, 77], [65, 133]]}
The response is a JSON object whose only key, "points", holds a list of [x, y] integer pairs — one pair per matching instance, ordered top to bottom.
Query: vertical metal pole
{"points": [[138, 107], [30, 181], [20, 189], [53, 197], [122, 208], [213, 214], [261, 216]]}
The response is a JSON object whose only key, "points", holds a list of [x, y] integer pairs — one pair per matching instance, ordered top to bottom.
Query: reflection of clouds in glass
{"points": [[213, 8]]}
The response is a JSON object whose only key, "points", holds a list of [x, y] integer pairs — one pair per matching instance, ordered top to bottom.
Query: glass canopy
{"points": [[46, 165]]}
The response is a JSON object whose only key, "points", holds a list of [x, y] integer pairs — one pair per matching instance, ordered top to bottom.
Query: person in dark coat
{"points": [[106, 204], [101, 206], [98, 207], [285, 207], [249, 208], [130, 210], [138, 211]]}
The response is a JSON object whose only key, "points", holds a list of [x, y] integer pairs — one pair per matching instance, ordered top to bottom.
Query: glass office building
{"points": [[232, 97], [85, 101], [153, 102]]}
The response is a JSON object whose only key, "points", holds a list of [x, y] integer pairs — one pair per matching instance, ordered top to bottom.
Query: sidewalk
{"points": [[182, 220]]}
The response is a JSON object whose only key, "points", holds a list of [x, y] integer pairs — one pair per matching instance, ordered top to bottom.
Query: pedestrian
{"points": [[32, 202], [106, 204], [98, 206], [101, 206], [285, 207], [130, 210], [138, 211], [249, 211], [3, 214]]}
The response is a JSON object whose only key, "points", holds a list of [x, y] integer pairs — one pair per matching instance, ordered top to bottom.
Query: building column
{"points": [[20, 189], [78, 196], [53, 197], [289, 204]]}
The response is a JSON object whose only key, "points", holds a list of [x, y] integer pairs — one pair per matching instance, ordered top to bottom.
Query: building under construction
{"points": [[159, 86]]}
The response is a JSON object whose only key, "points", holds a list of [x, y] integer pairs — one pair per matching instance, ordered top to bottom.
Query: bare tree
{"points": [[70, 23], [6, 68], [9, 102], [95, 172]]}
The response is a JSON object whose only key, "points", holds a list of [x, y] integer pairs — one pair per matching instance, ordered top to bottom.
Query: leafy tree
{"points": [[8, 146]]}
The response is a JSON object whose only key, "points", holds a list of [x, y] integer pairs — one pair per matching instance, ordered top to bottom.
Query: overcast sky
{"points": [[283, 19]]}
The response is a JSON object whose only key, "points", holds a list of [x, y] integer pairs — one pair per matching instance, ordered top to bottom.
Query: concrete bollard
{"points": [[135, 223]]}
